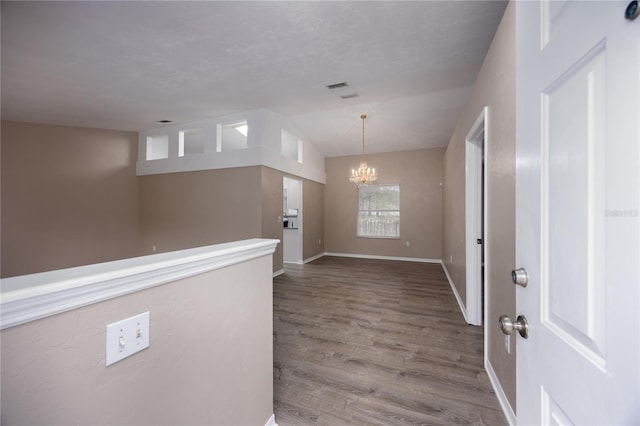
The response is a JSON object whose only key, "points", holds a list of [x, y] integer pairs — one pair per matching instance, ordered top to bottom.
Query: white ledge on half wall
{"points": [[30, 297]]}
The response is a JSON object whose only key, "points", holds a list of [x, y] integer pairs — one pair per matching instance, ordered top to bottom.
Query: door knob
{"points": [[520, 277], [508, 326]]}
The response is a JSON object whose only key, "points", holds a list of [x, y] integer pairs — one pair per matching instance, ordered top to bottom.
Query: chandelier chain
{"points": [[363, 117]]}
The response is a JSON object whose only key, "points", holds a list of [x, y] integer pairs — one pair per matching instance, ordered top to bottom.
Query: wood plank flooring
{"points": [[373, 342]]}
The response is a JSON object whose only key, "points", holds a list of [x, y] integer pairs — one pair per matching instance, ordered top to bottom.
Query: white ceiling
{"points": [[125, 65]]}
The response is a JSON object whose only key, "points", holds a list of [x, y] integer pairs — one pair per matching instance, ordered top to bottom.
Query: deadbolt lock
{"points": [[632, 11], [520, 277]]}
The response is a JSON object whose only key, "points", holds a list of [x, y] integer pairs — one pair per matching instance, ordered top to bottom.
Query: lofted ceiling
{"points": [[126, 65]]}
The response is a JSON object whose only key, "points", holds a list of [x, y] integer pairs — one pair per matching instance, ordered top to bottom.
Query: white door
{"points": [[577, 231]]}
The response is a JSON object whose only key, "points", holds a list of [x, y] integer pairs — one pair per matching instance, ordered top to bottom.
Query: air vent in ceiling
{"points": [[337, 85], [350, 95], [164, 121]]}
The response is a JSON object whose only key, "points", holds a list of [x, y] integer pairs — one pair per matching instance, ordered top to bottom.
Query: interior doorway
{"points": [[475, 218], [292, 220]]}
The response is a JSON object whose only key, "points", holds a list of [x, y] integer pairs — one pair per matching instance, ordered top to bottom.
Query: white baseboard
{"points": [[371, 256], [312, 258], [278, 272], [455, 293], [502, 398], [271, 421]]}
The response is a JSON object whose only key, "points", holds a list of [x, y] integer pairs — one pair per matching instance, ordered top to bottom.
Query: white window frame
{"points": [[369, 188]]}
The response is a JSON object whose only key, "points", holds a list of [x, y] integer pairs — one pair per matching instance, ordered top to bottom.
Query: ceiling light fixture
{"points": [[364, 175]]}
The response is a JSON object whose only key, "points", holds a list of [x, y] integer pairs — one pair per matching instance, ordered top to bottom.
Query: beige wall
{"points": [[495, 88], [419, 174], [69, 197], [192, 209], [182, 210], [272, 210], [313, 214], [453, 216], [313, 226], [210, 359]]}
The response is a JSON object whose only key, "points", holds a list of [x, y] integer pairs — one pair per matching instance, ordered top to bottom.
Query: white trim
{"points": [[475, 146], [293, 238], [371, 256], [312, 258], [278, 272], [455, 292], [31, 297], [483, 297], [502, 398], [271, 421]]}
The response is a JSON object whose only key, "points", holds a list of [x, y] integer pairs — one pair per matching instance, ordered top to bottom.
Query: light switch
{"points": [[126, 337]]}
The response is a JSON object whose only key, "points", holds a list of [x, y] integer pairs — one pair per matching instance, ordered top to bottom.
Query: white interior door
{"points": [[577, 192]]}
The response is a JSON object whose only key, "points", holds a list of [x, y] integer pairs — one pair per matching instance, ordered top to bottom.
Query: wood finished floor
{"points": [[375, 342]]}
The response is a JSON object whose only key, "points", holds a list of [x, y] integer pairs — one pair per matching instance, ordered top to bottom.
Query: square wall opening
{"points": [[157, 147]]}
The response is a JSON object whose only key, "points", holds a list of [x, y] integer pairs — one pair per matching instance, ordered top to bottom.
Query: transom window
{"points": [[379, 211]]}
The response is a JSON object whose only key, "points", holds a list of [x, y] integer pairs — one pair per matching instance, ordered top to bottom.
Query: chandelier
{"points": [[364, 175]]}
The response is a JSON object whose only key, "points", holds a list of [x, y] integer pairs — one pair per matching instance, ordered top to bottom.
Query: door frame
{"points": [[476, 148], [299, 234]]}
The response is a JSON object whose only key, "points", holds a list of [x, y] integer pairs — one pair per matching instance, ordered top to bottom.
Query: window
{"points": [[379, 211]]}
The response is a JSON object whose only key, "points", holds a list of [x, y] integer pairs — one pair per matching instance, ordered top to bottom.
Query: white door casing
{"points": [[476, 144], [577, 202], [292, 238]]}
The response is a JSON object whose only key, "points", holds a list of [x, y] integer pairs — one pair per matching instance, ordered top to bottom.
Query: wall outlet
{"points": [[319, 241], [408, 243], [153, 248], [450, 258], [126, 337], [507, 343]]}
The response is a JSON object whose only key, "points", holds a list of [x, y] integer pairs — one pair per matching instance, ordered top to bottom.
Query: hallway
{"points": [[360, 341]]}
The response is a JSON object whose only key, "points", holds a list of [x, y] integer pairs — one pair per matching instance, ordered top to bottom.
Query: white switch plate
{"points": [[126, 337]]}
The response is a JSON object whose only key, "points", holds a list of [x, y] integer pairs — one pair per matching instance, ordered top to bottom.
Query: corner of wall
{"points": [[494, 87], [461, 305]]}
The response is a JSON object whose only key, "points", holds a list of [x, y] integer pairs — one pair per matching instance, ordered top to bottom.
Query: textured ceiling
{"points": [[125, 65]]}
